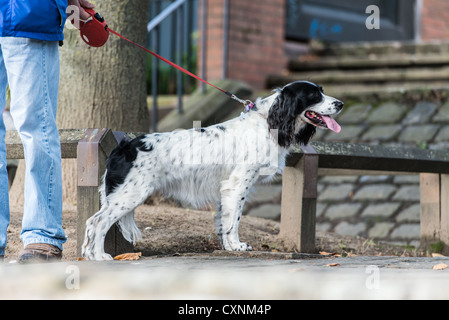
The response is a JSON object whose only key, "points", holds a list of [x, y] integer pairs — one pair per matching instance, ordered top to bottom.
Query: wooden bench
{"points": [[90, 147], [305, 164]]}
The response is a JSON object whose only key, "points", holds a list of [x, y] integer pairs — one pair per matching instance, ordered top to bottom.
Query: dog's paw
{"points": [[236, 246], [244, 246], [87, 254], [92, 256], [99, 257], [105, 257]]}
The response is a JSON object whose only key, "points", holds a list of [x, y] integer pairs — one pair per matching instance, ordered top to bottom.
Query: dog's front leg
{"points": [[234, 192]]}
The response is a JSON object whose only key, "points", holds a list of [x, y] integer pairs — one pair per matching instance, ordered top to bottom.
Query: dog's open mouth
{"points": [[323, 121]]}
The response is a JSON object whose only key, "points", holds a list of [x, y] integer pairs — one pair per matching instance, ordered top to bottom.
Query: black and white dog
{"points": [[218, 164]]}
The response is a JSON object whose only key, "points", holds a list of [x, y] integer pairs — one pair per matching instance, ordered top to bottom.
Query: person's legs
{"points": [[33, 73], [4, 199]]}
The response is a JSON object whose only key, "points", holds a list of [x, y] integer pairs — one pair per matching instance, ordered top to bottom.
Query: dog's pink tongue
{"points": [[332, 124]]}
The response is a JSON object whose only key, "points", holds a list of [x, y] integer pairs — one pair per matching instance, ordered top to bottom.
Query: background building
{"points": [[251, 40]]}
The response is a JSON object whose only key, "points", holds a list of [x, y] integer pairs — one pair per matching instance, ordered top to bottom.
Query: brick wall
{"points": [[435, 20], [214, 38], [255, 40]]}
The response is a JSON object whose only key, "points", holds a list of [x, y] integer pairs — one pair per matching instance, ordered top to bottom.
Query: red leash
{"points": [[95, 33], [168, 61]]}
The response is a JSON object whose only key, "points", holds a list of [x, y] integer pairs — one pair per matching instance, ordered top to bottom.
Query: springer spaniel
{"points": [[217, 164]]}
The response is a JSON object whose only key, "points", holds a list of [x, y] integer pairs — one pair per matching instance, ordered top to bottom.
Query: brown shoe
{"points": [[40, 252]]}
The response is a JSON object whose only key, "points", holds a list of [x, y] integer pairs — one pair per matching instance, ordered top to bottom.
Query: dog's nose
{"points": [[338, 104]]}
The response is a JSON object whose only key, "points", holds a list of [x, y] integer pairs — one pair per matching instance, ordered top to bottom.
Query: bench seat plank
{"points": [[69, 142], [377, 158]]}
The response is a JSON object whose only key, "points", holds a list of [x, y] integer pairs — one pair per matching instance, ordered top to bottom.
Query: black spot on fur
{"points": [[221, 128], [121, 160]]}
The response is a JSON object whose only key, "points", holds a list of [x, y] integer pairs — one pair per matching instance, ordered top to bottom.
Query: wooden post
{"points": [[93, 150], [299, 194], [434, 210], [444, 211]]}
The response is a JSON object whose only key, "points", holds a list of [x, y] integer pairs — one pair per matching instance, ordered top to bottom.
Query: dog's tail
{"points": [[129, 229]]}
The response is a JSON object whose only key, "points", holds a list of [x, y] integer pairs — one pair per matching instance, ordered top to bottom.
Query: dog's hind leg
{"points": [[118, 209], [97, 227], [93, 246]]}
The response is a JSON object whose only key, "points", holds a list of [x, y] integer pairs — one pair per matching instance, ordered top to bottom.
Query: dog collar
{"points": [[250, 106]]}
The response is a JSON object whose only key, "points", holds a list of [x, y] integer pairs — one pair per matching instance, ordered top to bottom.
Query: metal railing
{"points": [[179, 10]]}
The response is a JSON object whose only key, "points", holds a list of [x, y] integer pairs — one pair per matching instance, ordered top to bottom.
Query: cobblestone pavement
{"points": [[380, 207], [229, 277]]}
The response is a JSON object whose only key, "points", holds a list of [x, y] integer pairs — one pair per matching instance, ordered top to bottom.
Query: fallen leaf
{"points": [[333, 254], [437, 255], [128, 256], [80, 259], [333, 265], [440, 266]]}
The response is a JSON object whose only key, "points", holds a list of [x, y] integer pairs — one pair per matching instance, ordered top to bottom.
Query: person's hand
{"points": [[82, 4]]}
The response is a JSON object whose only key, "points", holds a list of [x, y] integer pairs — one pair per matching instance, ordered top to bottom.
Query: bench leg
{"points": [[93, 150], [434, 189], [298, 210]]}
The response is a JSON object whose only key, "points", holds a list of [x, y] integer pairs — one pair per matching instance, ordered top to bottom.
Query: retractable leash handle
{"points": [[95, 32]]}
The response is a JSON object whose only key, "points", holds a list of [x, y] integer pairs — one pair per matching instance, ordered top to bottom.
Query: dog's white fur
{"points": [[218, 164]]}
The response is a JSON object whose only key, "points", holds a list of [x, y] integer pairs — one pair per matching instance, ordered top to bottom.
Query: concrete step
{"points": [[385, 48], [315, 63], [362, 69], [381, 75], [386, 90], [376, 91]]}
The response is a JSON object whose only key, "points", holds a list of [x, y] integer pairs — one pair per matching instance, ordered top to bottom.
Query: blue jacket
{"points": [[36, 19]]}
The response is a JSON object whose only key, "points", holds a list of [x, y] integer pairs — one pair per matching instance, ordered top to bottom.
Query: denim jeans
{"points": [[31, 67]]}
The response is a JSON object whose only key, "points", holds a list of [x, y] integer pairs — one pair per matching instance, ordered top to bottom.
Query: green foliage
{"points": [[437, 247]]}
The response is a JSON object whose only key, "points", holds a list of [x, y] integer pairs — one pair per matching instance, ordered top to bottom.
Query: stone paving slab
{"points": [[241, 276]]}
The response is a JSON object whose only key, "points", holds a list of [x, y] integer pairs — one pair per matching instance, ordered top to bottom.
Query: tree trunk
{"points": [[100, 87], [105, 87]]}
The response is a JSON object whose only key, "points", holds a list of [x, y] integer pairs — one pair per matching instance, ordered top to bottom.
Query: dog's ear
{"points": [[282, 116]]}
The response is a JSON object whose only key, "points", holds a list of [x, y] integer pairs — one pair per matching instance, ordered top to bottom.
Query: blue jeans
{"points": [[31, 67]]}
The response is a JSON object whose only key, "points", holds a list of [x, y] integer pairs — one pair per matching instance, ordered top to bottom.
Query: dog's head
{"points": [[299, 108]]}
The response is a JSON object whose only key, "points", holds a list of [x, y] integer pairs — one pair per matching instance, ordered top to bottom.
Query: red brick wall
{"points": [[435, 20], [214, 38], [255, 40]]}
